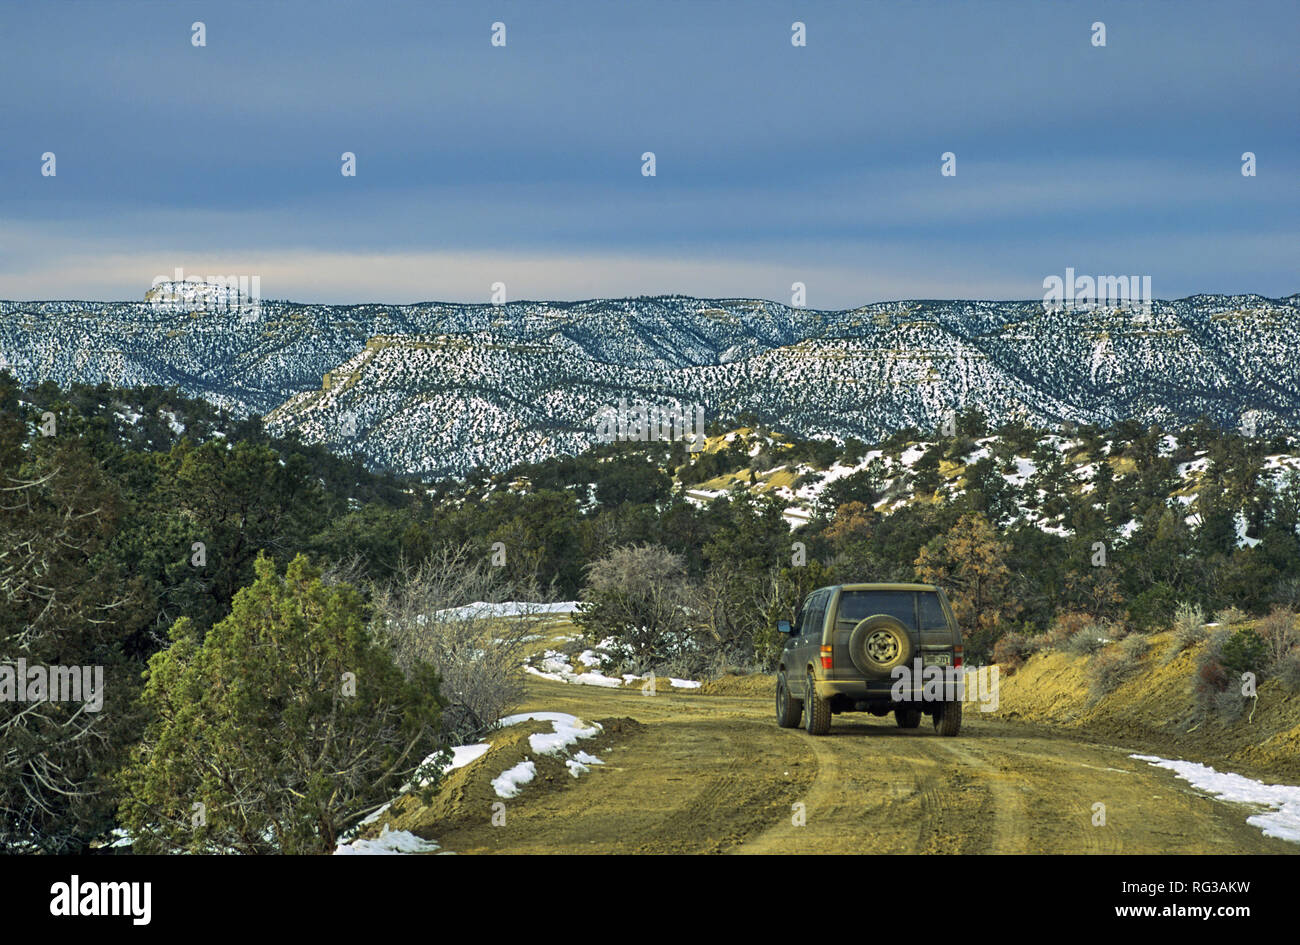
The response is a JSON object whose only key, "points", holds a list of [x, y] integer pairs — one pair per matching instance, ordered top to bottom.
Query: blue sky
{"points": [[522, 164]]}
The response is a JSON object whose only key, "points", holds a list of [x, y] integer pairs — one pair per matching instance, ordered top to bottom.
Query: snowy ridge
{"points": [[439, 388]]}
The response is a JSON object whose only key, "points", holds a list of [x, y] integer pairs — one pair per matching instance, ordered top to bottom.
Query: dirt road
{"points": [[714, 773]]}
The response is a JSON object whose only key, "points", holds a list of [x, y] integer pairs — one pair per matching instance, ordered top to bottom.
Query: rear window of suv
{"points": [[916, 610]]}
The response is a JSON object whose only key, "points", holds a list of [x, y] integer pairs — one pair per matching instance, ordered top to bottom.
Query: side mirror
{"points": [[783, 626]]}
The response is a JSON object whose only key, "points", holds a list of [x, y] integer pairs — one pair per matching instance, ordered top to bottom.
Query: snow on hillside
{"points": [[438, 388], [803, 486], [480, 610], [566, 731], [388, 843]]}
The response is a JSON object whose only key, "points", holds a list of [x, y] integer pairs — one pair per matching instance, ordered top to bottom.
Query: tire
{"points": [[878, 644], [788, 708], [816, 711], [907, 716], [948, 721]]}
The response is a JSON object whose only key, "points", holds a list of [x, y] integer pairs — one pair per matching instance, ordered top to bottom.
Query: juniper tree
{"points": [[279, 728]]}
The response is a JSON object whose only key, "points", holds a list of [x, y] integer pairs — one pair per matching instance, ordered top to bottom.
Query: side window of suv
{"points": [[814, 615], [801, 618]]}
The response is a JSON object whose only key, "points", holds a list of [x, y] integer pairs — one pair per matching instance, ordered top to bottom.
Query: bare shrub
{"points": [[350, 570], [638, 595], [734, 611], [439, 612], [1231, 616], [722, 621], [1189, 627], [1064, 628], [1280, 636], [1089, 640], [1135, 645], [1011, 651], [1213, 651], [682, 666], [1110, 667], [1287, 671], [1211, 677], [1216, 690], [1228, 705]]}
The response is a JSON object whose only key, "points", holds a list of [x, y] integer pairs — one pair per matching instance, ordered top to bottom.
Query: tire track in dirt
{"points": [[879, 790], [818, 801], [1043, 802], [1009, 830]]}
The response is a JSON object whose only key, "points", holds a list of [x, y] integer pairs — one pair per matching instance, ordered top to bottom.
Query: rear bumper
{"points": [[856, 688], [882, 690]]}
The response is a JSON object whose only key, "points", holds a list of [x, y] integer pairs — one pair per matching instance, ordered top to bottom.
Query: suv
{"points": [[844, 652]]}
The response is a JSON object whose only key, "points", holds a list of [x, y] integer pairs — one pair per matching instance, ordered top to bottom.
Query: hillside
{"points": [[439, 388], [1034, 477], [1156, 707]]}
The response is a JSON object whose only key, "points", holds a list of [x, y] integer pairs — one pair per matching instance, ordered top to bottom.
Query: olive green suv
{"points": [[875, 648]]}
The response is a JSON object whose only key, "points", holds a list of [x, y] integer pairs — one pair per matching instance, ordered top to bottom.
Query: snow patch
{"points": [[173, 424], [912, 454], [1024, 469], [1242, 526], [510, 608], [577, 679], [568, 729], [462, 755], [511, 781], [1282, 821], [388, 843]]}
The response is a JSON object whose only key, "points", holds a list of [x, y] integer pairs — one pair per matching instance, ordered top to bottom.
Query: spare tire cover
{"points": [[878, 644]]}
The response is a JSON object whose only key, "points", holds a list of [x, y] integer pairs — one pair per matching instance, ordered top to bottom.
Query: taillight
{"points": [[956, 656], [826, 657]]}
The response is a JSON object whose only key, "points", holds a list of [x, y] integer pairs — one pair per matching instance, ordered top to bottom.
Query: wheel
{"points": [[878, 644], [788, 708], [816, 711], [907, 716], [947, 721]]}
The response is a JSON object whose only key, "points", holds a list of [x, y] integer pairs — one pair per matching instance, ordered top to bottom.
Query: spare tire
{"points": [[878, 644]]}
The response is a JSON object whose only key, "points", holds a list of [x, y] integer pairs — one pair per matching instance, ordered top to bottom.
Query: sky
{"points": [[522, 164]]}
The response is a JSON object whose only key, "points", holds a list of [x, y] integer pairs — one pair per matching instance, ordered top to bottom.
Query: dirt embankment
{"points": [[1155, 709]]}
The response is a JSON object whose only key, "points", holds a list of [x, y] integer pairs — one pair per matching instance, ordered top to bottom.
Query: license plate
{"points": [[936, 659]]}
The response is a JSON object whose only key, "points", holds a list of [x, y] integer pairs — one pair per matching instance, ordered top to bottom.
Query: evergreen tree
{"points": [[280, 728]]}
